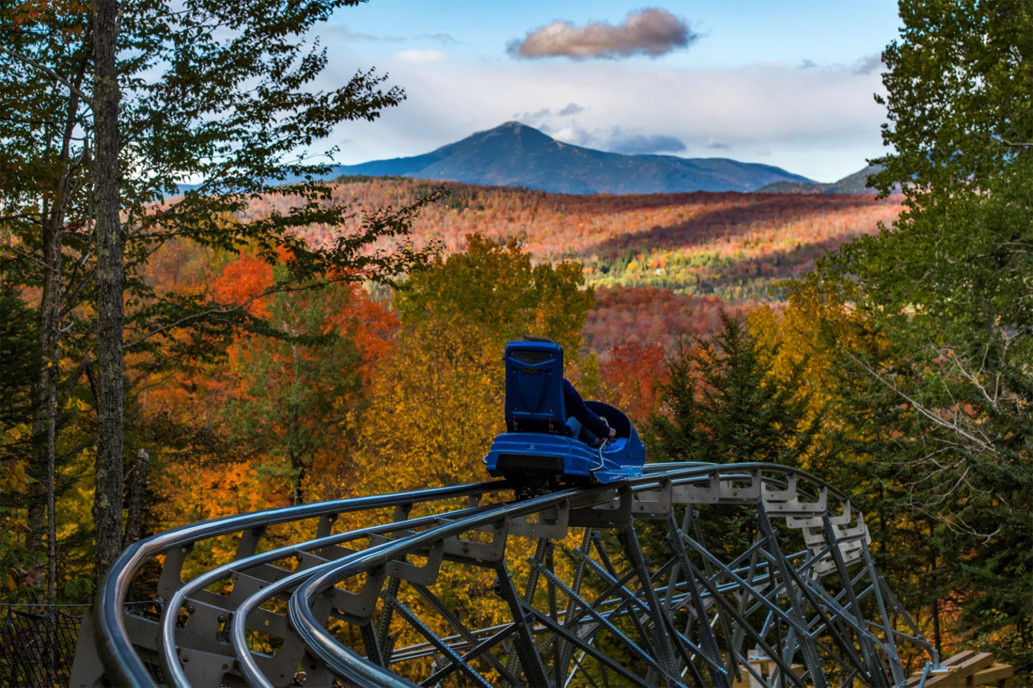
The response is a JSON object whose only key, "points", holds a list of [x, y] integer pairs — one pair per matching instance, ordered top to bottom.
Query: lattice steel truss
{"points": [[695, 574]]}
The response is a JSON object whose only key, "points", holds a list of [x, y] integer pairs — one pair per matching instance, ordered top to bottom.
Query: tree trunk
{"points": [[45, 390], [45, 403], [137, 490], [107, 506], [937, 637]]}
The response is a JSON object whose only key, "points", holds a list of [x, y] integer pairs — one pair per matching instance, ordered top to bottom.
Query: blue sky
{"points": [[782, 82]]}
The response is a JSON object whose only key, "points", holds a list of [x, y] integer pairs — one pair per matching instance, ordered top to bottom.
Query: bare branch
{"points": [[49, 72], [1016, 144], [31, 217], [22, 254], [275, 289], [991, 398], [980, 444]]}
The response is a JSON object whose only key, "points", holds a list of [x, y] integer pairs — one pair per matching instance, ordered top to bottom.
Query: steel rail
{"points": [[820, 512], [115, 649], [344, 661], [171, 665]]}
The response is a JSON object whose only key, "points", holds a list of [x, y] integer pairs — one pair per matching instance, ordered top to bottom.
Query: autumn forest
{"points": [[170, 357]]}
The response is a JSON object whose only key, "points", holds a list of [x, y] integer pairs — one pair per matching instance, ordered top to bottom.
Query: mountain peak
{"points": [[511, 128]]}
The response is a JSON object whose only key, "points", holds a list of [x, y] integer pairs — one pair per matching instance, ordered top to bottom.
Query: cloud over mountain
{"points": [[653, 32], [634, 143]]}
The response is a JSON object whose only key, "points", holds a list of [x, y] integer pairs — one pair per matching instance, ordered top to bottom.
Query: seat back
{"points": [[534, 387]]}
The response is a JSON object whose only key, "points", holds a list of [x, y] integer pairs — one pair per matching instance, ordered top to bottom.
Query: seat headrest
{"points": [[534, 386]]}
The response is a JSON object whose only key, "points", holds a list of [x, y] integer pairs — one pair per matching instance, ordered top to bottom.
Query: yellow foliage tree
{"points": [[497, 286], [809, 333], [437, 398], [434, 411]]}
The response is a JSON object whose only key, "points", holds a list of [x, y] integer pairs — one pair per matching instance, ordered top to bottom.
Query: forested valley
{"points": [[250, 345]]}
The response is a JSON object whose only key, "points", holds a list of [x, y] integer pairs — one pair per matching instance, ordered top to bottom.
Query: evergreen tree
{"points": [[19, 358], [723, 403], [864, 432]]}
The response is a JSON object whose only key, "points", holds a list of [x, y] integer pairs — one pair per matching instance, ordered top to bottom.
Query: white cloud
{"points": [[343, 33], [420, 56], [615, 139]]}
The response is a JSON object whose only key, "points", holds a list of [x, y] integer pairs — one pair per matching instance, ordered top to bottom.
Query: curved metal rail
{"points": [[678, 577]]}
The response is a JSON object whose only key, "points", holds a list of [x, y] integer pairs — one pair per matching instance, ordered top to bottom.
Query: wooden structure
{"points": [[966, 670]]}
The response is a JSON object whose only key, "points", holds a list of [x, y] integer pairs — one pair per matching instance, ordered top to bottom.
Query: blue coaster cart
{"points": [[538, 447]]}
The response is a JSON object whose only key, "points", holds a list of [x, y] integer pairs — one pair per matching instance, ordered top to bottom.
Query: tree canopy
{"points": [[111, 109], [948, 289], [722, 402]]}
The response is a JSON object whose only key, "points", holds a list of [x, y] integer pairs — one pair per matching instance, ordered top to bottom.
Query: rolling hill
{"points": [[515, 154], [856, 183], [662, 265]]}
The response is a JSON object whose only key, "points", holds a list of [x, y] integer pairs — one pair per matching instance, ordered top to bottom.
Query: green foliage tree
{"points": [[109, 108], [496, 286], [948, 288], [19, 352], [298, 387], [722, 402], [864, 431]]}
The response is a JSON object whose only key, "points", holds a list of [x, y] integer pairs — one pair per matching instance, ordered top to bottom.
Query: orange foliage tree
{"points": [[633, 374], [286, 403]]}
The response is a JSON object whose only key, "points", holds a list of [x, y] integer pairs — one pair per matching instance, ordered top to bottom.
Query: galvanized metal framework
{"points": [[694, 574]]}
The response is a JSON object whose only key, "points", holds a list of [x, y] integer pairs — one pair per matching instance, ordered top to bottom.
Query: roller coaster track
{"points": [[694, 574]]}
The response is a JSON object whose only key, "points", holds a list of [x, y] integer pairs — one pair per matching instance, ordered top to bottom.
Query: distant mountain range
{"points": [[515, 154], [856, 183]]}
